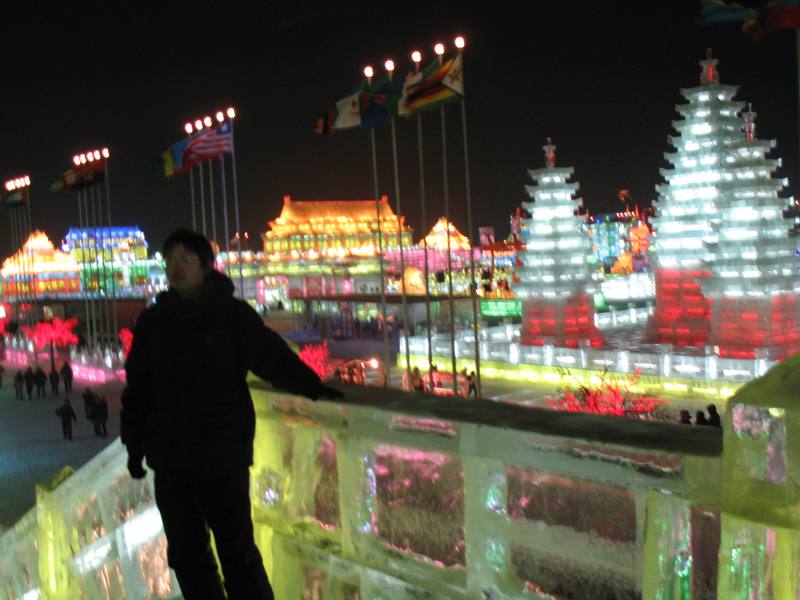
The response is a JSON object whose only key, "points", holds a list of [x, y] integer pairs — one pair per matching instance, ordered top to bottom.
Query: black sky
{"points": [[601, 79]]}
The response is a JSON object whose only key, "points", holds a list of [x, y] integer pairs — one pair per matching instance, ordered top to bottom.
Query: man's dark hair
{"points": [[195, 242]]}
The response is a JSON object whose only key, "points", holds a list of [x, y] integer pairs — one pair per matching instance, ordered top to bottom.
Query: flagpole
{"points": [[446, 195], [191, 196], [202, 200], [211, 202], [236, 202], [423, 209], [225, 214], [83, 228], [400, 235], [17, 257], [22, 267], [113, 274], [32, 281], [472, 284], [98, 313], [105, 317], [387, 369]]}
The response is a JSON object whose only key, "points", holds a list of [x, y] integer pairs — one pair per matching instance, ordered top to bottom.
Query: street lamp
{"points": [[459, 42], [439, 49], [368, 73], [18, 183]]}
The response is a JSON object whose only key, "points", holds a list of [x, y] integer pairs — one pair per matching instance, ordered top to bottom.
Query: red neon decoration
{"points": [[57, 332], [126, 337], [317, 356], [610, 398]]}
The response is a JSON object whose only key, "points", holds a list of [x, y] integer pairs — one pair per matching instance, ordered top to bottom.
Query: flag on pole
{"points": [[757, 22], [433, 86], [379, 102], [342, 114], [209, 143], [172, 158], [80, 177], [15, 197]]}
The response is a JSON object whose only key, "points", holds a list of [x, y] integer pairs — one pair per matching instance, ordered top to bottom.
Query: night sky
{"points": [[601, 79]]}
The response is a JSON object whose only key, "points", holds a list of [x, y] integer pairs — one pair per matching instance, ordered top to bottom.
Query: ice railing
{"points": [[702, 372], [392, 495]]}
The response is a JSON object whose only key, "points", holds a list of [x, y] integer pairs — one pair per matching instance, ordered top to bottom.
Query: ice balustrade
{"points": [[701, 373], [392, 495]]}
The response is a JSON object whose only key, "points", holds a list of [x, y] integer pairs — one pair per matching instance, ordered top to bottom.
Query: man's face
{"points": [[185, 272]]}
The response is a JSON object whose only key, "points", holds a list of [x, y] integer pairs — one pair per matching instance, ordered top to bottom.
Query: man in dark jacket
{"points": [[66, 377], [40, 378], [30, 380], [187, 409], [67, 417]]}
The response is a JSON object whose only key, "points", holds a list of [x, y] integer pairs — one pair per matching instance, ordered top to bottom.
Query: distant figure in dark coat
{"points": [[66, 377], [40, 378], [54, 378], [30, 381], [19, 383], [89, 403], [187, 409], [100, 416], [713, 416], [67, 417], [685, 417], [700, 418]]}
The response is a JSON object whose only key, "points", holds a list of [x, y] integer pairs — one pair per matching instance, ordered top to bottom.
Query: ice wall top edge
{"points": [[649, 435]]}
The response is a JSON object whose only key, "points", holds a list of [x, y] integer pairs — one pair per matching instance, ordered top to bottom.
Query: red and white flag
{"points": [[210, 144]]}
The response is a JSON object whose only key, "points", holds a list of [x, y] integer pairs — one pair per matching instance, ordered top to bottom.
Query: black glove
{"points": [[324, 391], [135, 467]]}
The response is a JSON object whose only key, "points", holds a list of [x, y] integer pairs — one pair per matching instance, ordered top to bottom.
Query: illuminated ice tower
{"points": [[725, 273], [556, 283]]}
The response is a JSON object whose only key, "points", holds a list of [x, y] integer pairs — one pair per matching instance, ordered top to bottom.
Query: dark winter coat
{"points": [[66, 372], [40, 377], [186, 406], [66, 413]]}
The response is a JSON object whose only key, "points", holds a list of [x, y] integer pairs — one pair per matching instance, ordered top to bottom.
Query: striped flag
{"points": [[432, 87], [210, 144]]}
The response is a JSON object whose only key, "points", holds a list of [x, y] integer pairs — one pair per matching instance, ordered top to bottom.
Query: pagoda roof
{"points": [[331, 216], [437, 237], [38, 254]]}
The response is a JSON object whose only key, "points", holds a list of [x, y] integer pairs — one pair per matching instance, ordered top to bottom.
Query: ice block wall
{"points": [[392, 495]]}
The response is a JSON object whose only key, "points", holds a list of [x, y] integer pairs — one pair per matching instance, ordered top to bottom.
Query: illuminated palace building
{"points": [[327, 251], [100, 263]]}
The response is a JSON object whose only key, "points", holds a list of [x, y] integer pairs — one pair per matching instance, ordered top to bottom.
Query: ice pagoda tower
{"points": [[726, 268], [556, 283]]}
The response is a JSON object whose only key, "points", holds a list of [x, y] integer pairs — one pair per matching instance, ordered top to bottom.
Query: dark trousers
{"points": [[67, 385], [54, 387], [100, 428], [66, 429], [189, 507]]}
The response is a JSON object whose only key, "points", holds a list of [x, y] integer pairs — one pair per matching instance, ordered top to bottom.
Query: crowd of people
{"points": [[31, 381], [25, 382], [713, 419]]}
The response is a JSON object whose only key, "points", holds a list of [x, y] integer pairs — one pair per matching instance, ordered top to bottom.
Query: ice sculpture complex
{"points": [[727, 269], [556, 283], [387, 495]]}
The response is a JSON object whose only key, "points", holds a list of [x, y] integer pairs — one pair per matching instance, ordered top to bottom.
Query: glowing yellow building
{"points": [[334, 229], [39, 266]]}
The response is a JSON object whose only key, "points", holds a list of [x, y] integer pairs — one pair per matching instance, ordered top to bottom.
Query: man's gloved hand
{"points": [[324, 391], [135, 467]]}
